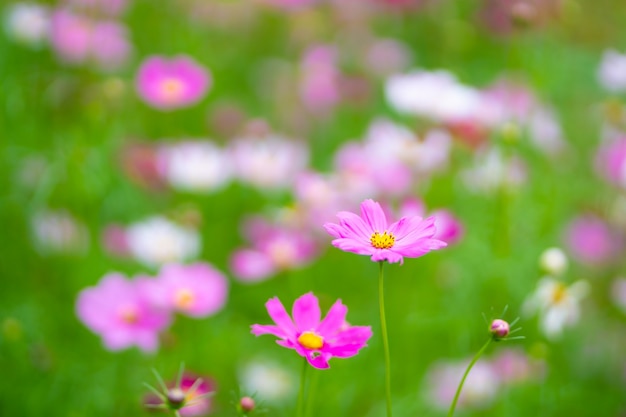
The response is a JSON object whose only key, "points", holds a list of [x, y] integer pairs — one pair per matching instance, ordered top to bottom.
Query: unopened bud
{"points": [[499, 328], [176, 398], [247, 404]]}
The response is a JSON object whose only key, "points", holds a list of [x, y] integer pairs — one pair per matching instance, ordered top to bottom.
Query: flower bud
{"points": [[499, 329], [176, 398], [247, 404]]}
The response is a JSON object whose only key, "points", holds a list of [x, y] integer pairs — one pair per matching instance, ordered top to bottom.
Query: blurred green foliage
{"points": [[53, 365]]}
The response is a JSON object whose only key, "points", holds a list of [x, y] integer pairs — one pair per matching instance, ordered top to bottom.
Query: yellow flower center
{"points": [[172, 88], [384, 241], [559, 294], [184, 298], [129, 315], [311, 341]]}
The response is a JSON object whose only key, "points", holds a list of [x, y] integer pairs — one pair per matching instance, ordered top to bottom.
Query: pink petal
{"points": [[374, 215], [354, 226], [355, 246], [387, 255], [277, 312], [306, 312], [334, 319], [259, 329], [318, 360]]}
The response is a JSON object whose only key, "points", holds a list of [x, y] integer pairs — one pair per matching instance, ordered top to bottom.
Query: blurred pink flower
{"points": [[289, 5], [109, 7], [78, 39], [387, 56], [612, 71], [172, 83], [319, 84], [610, 161], [268, 162], [194, 165], [365, 172], [449, 227], [58, 231], [370, 234], [114, 240], [591, 240], [273, 248], [197, 290], [122, 313], [312, 338], [515, 366], [197, 390], [479, 390]]}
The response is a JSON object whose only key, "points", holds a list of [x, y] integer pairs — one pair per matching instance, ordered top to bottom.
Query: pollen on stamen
{"points": [[172, 88], [382, 241], [184, 298], [310, 340]]}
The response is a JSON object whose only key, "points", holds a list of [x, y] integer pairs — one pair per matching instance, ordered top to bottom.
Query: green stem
{"points": [[383, 329], [467, 371], [311, 394], [300, 407]]}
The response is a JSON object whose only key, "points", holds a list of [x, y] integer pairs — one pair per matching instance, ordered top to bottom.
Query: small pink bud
{"points": [[499, 328], [175, 398], [247, 404]]}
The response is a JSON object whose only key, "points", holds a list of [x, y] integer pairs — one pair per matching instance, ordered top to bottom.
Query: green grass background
{"points": [[53, 366]]}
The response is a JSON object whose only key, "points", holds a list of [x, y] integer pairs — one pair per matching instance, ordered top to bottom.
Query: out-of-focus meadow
{"points": [[223, 135]]}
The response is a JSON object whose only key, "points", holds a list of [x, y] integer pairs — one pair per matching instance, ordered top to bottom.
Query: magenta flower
{"points": [[170, 84], [370, 234], [273, 248], [197, 290], [122, 313], [315, 340]]}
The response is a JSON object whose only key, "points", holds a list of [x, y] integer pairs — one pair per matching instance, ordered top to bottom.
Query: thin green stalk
{"points": [[383, 329], [467, 371], [313, 382], [300, 406]]}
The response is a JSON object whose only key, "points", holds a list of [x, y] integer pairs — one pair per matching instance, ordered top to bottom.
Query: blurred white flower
{"points": [[27, 23], [612, 71], [433, 94], [546, 132], [386, 139], [268, 162], [194, 166], [492, 171], [58, 231], [157, 241], [553, 261], [618, 293], [558, 306], [268, 380], [479, 390]]}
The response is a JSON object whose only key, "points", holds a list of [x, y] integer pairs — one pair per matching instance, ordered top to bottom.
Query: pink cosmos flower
{"points": [[78, 39], [172, 83], [610, 161], [449, 228], [370, 234], [592, 241], [274, 248], [197, 290], [122, 313], [315, 340]]}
